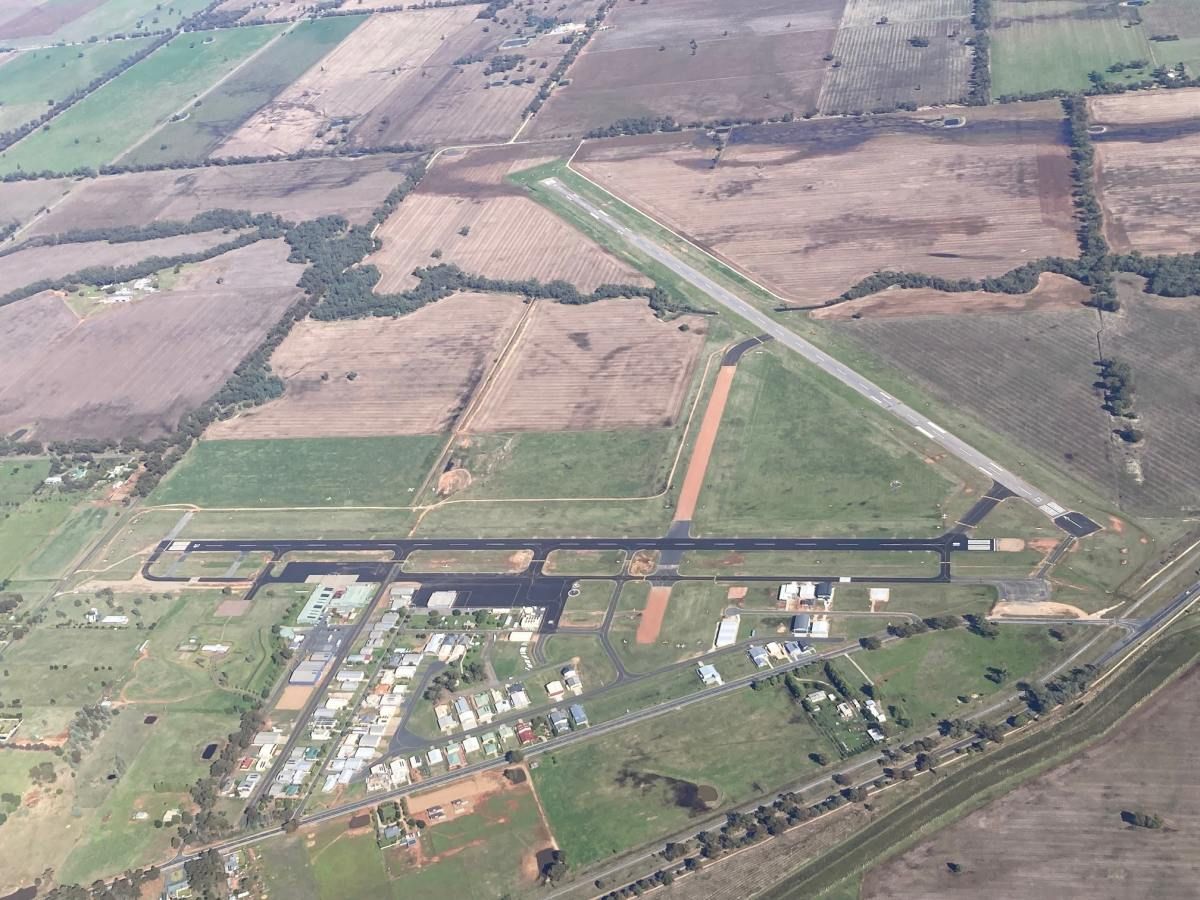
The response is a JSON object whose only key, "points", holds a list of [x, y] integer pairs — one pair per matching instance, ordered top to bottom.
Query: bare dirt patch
{"points": [[696, 62], [1148, 168], [295, 189], [813, 207], [508, 235], [1052, 292], [609, 364], [135, 370], [414, 374], [706, 439], [453, 481], [1010, 545], [643, 563], [233, 608], [1026, 608], [652, 617], [294, 696], [471, 789], [1063, 832]]}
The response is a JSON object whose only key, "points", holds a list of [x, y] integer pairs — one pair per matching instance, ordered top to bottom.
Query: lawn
{"points": [[1037, 55], [34, 78], [234, 101], [108, 121], [798, 454], [376, 471], [20, 478], [566, 518], [24, 529], [57, 554], [482, 561], [584, 562], [788, 564], [922, 599], [587, 608], [688, 627], [586, 653], [923, 676], [635, 781]]}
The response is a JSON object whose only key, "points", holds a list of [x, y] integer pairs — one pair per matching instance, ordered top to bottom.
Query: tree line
{"points": [[980, 80], [209, 220]]}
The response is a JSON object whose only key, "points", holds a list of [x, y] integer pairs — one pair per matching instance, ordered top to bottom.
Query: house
{"points": [[798, 591], [825, 592], [92, 616], [115, 620], [801, 625], [820, 627], [727, 631], [794, 649], [758, 656], [709, 675], [572, 680], [554, 689], [517, 696], [816, 697], [845, 710], [875, 712], [578, 717], [558, 721], [525, 733], [875, 734], [470, 745], [454, 756], [434, 757]]}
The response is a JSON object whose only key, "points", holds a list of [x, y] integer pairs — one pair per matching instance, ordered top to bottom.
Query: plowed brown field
{"points": [[811, 208], [510, 236], [609, 364], [135, 369], [414, 374]]}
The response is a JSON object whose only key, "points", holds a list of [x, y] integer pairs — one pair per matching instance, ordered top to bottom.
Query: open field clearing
{"points": [[270, 10], [1178, 17], [26, 23], [1043, 45], [694, 62], [879, 65], [32, 78], [394, 81], [223, 110], [108, 121], [1147, 162], [297, 190], [904, 194], [20, 201], [507, 235], [24, 267], [1052, 292], [608, 364], [134, 370], [408, 375], [796, 455], [377, 471], [501, 562], [584, 562], [801, 562], [587, 608], [654, 627], [651, 779], [1064, 831], [487, 850]]}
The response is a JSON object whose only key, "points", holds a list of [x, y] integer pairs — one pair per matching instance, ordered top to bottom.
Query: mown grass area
{"points": [[34, 78], [108, 121], [209, 122], [798, 454], [376, 471], [19, 478], [562, 518], [24, 529], [69, 541], [485, 561], [584, 562], [791, 563], [921, 599], [587, 608], [687, 629], [585, 652], [634, 781], [974, 782]]}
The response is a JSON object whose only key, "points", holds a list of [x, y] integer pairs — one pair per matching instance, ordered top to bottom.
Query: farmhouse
{"points": [[758, 656]]}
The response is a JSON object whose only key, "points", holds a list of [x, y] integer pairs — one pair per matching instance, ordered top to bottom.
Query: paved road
{"points": [[1071, 522]]}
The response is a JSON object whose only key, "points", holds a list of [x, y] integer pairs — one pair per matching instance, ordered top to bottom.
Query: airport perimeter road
{"points": [[1075, 523]]}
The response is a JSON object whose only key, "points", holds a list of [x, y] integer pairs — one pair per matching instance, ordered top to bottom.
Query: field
{"points": [[68, 21], [1041, 46], [687, 60], [878, 66], [34, 77], [233, 101], [111, 119], [1146, 163], [296, 190], [891, 192], [20, 201], [508, 235], [23, 267], [1052, 292], [608, 364], [136, 369], [414, 374], [1049, 378], [796, 455], [376, 471], [584, 562], [800, 562], [588, 608], [687, 628], [644, 782], [1064, 830], [485, 852]]}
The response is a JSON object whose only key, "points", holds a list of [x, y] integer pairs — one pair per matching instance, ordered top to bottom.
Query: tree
{"points": [[870, 642], [514, 756], [556, 867]]}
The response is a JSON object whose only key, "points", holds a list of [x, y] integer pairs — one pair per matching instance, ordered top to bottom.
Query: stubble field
{"points": [[696, 61], [1148, 168], [297, 190], [811, 208], [509, 236], [609, 364], [134, 370], [1064, 833]]}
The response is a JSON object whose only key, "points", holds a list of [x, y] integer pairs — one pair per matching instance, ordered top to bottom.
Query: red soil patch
{"points": [[453, 481], [693, 481], [233, 608], [652, 618]]}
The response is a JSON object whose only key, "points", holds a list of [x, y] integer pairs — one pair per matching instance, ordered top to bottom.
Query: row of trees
{"points": [[577, 44], [980, 84], [269, 224]]}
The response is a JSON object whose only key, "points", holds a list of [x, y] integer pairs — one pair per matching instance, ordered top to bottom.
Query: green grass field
{"points": [[114, 17], [35, 77], [234, 101], [108, 121], [796, 454], [378, 471], [19, 479], [24, 529], [56, 555], [485, 561], [584, 562], [802, 562], [922, 599], [587, 608], [687, 629], [586, 652], [744, 744]]}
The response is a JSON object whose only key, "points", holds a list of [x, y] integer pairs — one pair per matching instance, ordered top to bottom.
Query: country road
{"points": [[1071, 522]]}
